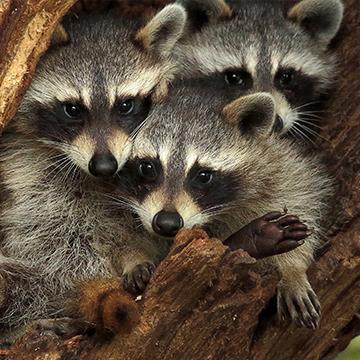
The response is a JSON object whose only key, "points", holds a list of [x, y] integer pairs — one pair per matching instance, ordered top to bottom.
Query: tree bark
{"points": [[25, 30], [205, 302]]}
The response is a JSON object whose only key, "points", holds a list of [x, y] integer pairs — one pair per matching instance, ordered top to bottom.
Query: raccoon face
{"points": [[262, 48], [94, 88], [96, 137], [187, 167], [167, 203]]}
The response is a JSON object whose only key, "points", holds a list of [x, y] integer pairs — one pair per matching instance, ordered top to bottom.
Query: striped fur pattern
{"points": [[263, 46], [188, 135], [59, 224]]}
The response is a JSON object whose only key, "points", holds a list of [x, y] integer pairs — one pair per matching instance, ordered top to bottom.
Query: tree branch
{"points": [[25, 28]]}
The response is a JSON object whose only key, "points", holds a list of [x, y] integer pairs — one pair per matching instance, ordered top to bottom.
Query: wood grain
{"points": [[25, 30]]}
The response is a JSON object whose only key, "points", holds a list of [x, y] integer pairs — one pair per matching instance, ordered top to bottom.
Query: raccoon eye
{"points": [[239, 78], [285, 79], [126, 107], [72, 111], [147, 170], [203, 177]]}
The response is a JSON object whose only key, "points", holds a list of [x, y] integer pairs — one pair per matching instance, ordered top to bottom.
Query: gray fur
{"points": [[321, 18], [164, 30], [261, 38], [188, 129], [59, 225], [61, 230]]}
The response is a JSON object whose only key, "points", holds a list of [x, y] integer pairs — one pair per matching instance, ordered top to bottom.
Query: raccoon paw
{"points": [[287, 231], [271, 234], [136, 280], [302, 307], [64, 327]]}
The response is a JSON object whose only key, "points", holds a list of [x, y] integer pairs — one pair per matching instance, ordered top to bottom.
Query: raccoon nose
{"points": [[103, 165], [167, 223]]}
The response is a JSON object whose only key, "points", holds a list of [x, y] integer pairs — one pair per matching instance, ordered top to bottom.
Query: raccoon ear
{"points": [[201, 12], [321, 18], [163, 30], [59, 37], [253, 114]]}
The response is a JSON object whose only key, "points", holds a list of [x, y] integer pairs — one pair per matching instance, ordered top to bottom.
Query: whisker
{"points": [[307, 104], [315, 111], [313, 117], [308, 122], [137, 130], [313, 133], [303, 135], [63, 158], [59, 165], [60, 168], [68, 172], [74, 172], [128, 204], [211, 212]]}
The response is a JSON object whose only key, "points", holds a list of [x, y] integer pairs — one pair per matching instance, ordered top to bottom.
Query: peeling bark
{"points": [[203, 301]]}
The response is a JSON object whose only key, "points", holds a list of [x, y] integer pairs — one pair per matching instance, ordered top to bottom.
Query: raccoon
{"points": [[252, 46], [61, 155], [196, 162]]}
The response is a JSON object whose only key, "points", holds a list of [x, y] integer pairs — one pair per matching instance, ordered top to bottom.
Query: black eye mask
{"points": [[129, 113], [140, 176], [211, 188]]}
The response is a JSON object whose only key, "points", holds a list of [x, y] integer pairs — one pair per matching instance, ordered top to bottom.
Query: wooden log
{"points": [[25, 30]]}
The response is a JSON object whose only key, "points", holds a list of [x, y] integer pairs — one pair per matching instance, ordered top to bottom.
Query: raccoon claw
{"points": [[271, 234], [136, 280], [304, 309], [63, 327]]}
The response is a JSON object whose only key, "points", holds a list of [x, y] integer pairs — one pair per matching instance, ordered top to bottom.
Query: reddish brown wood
{"points": [[25, 30]]}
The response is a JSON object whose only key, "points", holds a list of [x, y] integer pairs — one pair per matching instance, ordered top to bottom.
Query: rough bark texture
{"points": [[25, 30], [204, 302]]}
